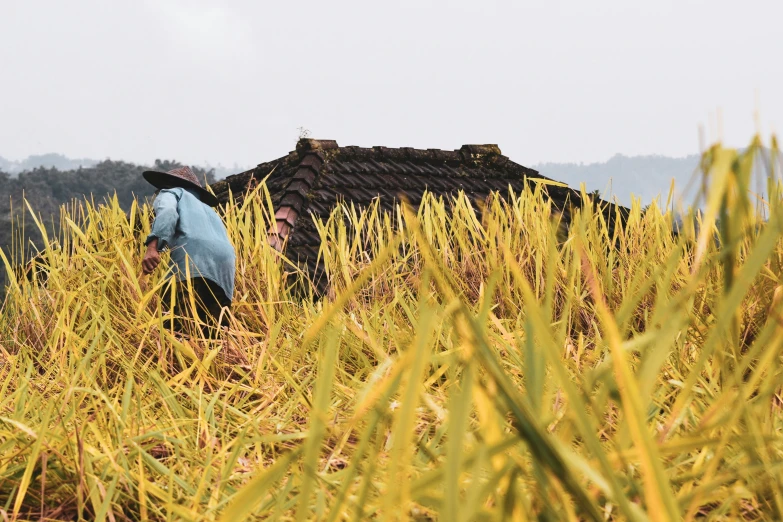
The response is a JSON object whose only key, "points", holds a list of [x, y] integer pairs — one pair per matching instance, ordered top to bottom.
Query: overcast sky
{"points": [[230, 82]]}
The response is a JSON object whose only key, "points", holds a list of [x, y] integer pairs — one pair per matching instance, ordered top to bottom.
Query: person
{"points": [[186, 225]]}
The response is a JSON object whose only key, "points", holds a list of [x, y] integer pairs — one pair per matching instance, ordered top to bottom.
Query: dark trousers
{"points": [[209, 300]]}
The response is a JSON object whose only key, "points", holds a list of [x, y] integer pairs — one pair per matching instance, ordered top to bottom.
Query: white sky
{"points": [[230, 82]]}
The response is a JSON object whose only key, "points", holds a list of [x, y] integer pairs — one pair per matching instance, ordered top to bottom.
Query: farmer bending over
{"points": [[186, 225]]}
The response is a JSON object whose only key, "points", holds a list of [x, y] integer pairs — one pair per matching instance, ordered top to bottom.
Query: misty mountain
{"points": [[47, 161], [63, 163], [646, 177]]}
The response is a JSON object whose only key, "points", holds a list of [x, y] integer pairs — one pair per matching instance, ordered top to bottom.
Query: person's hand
{"points": [[151, 257]]}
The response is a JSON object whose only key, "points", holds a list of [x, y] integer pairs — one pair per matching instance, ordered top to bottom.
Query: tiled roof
{"points": [[311, 179]]}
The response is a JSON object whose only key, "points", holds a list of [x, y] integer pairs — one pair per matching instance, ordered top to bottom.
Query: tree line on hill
{"points": [[46, 189]]}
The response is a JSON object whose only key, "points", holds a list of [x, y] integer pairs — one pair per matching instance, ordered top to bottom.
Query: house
{"points": [[311, 179]]}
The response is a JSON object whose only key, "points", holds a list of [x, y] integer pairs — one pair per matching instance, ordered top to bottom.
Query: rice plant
{"points": [[464, 366]]}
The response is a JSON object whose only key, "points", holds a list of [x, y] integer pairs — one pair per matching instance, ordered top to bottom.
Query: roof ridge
{"points": [[487, 149], [306, 173]]}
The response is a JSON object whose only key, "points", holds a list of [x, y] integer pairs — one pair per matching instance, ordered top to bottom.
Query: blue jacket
{"points": [[193, 231]]}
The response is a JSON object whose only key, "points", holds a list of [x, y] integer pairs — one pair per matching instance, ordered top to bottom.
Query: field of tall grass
{"points": [[466, 366]]}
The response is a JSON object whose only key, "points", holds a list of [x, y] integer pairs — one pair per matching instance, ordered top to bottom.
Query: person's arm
{"points": [[163, 229]]}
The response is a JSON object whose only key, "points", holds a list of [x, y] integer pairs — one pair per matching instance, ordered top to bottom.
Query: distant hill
{"points": [[47, 161], [60, 162], [643, 176], [646, 177]]}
